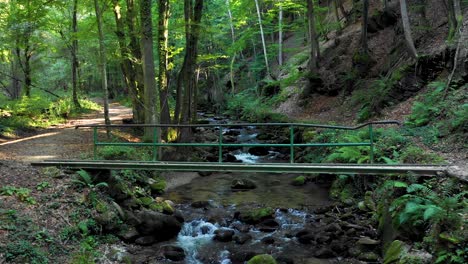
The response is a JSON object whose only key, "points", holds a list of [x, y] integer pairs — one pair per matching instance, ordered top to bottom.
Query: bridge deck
{"points": [[375, 169]]}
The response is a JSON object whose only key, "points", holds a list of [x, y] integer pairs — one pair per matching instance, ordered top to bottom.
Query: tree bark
{"points": [[337, 16], [365, 20], [407, 29], [280, 34], [233, 36], [312, 37], [263, 38], [163, 40], [74, 53], [102, 64], [148, 67], [136, 71], [186, 83]]}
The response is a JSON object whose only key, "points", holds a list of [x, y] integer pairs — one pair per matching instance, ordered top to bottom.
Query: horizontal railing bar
{"points": [[384, 122], [137, 144], [433, 170]]}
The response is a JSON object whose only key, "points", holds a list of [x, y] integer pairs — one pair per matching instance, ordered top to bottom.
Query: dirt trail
{"points": [[63, 141]]}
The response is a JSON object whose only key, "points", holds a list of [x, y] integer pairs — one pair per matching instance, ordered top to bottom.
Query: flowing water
{"points": [[292, 205]]}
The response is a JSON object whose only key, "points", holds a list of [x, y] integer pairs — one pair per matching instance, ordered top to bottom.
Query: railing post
{"points": [[371, 138], [95, 139], [155, 141], [291, 144], [220, 145]]}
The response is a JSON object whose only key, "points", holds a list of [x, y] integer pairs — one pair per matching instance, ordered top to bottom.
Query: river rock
{"points": [[232, 132], [258, 151], [230, 158], [206, 173], [243, 184], [200, 204], [159, 225], [268, 225], [129, 235], [223, 235], [306, 236], [241, 238], [145, 240], [268, 240], [367, 241], [173, 253], [324, 253], [242, 256], [368, 256]]}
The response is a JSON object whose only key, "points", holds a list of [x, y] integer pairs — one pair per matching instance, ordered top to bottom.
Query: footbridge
{"points": [[222, 143]]}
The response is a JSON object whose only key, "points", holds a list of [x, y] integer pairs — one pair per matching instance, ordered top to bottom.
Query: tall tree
{"points": [[365, 21], [407, 29], [280, 33], [262, 34], [312, 36], [163, 42], [74, 53], [102, 63], [148, 66], [186, 82]]}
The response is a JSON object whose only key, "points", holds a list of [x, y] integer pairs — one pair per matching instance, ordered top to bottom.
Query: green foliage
{"points": [[241, 106], [40, 111], [117, 153], [350, 154], [416, 155], [85, 180], [42, 185], [23, 194], [421, 206], [23, 251]]}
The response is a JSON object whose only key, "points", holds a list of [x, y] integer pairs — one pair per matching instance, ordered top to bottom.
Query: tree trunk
{"points": [[337, 16], [451, 19], [365, 20], [407, 29], [280, 34], [233, 36], [312, 37], [263, 38], [163, 40], [74, 53], [460, 61], [102, 64], [148, 67], [27, 69], [136, 70], [186, 82]]}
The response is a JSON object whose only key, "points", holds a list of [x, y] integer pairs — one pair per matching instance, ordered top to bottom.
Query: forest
{"points": [[242, 83]]}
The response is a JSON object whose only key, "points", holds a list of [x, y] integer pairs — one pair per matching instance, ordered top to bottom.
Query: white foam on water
{"points": [[246, 157], [193, 235]]}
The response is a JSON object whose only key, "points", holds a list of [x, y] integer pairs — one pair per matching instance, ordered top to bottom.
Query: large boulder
{"points": [[243, 184], [159, 225]]}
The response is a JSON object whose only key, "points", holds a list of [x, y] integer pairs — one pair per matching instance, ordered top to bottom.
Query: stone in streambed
{"points": [[258, 151], [243, 184], [159, 225], [223, 235], [241, 238], [145, 240], [173, 253], [369, 256], [262, 259]]}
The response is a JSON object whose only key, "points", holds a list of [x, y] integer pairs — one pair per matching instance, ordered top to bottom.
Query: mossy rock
{"points": [[309, 136], [299, 181], [159, 186], [145, 201], [369, 202], [162, 207], [257, 215], [394, 252], [262, 259]]}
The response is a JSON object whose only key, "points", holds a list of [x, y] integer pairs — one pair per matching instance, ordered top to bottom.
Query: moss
{"points": [[309, 136], [299, 181], [159, 186], [145, 201], [156, 207], [262, 259]]}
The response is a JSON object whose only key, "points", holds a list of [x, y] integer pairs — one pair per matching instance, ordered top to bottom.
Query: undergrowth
{"points": [[38, 111]]}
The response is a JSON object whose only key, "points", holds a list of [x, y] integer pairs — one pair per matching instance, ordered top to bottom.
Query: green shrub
{"points": [[117, 153], [416, 155], [23, 251]]}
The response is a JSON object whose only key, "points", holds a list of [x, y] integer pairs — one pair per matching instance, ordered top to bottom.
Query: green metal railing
{"points": [[220, 144]]}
